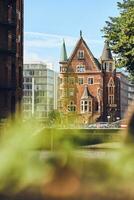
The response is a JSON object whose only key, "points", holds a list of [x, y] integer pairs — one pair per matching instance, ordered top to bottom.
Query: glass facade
{"points": [[39, 90]]}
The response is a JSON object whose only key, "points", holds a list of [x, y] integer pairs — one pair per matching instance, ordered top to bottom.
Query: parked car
{"points": [[92, 126]]}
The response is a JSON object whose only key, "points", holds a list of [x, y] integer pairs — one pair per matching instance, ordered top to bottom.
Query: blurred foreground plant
{"points": [[44, 163]]}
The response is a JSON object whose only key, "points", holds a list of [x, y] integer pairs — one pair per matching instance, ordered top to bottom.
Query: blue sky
{"points": [[47, 22]]}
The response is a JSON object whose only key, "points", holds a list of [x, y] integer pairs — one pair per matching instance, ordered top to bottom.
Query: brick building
{"points": [[11, 56], [89, 88]]}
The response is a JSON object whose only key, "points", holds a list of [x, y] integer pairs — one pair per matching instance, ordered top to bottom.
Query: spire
{"points": [[80, 33], [106, 54], [63, 57], [86, 94]]}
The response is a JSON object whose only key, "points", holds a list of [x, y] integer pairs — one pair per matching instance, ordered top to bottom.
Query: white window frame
{"points": [[80, 54], [80, 67], [82, 79], [88, 80], [72, 106], [85, 106]]}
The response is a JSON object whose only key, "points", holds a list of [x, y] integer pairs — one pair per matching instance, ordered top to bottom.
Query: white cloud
{"points": [[43, 40]]}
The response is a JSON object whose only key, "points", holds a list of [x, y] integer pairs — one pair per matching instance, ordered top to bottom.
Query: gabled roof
{"points": [[81, 40], [106, 54], [63, 57], [86, 94]]}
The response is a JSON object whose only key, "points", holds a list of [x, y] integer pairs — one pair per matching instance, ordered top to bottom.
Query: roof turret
{"points": [[106, 54], [63, 57]]}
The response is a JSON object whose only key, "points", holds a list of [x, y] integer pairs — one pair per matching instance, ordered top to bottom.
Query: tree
{"points": [[119, 31], [54, 118]]}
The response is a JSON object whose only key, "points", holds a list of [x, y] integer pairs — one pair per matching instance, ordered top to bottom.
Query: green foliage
{"points": [[119, 31], [131, 78], [54, 118], [61, 170]]}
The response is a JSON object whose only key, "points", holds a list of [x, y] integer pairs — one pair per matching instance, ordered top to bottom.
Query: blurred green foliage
{"points": [[53, 161]]}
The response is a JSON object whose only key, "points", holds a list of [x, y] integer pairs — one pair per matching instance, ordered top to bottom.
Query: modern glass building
{"points": [[40, 90]]}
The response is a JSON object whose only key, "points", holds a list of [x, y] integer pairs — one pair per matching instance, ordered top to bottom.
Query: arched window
{"points": [[111, 91], [71, 107]]}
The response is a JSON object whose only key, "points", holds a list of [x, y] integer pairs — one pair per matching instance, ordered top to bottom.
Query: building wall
{"points": [[11, 56], [91, 71], [40, 90], [99, 92], [123, 93], [130, 96]]}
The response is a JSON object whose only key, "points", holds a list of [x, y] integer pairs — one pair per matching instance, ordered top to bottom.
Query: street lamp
{"points": [[108, 117], [117, 118]]}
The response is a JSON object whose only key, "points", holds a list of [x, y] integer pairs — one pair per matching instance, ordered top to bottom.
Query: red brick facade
{"points": [[11, 56], [89, 88]]}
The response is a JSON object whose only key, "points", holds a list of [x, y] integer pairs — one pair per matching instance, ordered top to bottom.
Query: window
{"points": [[80, 54], [110, 67], [80, 68], [63, 69], [31, 72], [64, 80], [71, 80], [80, 81], [90, 81], [27, 86], [111, 87], [111, 90], [71, 91], [64, 92], [111, 99], [86, 106], [90, 106], [71, 107]]}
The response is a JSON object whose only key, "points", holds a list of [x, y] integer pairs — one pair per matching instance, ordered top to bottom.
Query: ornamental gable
{"points": [[82, 59]]}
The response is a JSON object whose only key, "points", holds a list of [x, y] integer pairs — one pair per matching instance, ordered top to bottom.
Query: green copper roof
{"points": [[106, 54], [63, 57]]}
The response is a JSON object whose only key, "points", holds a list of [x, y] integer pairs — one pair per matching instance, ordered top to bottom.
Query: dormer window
{"points": [[80, 54], [80, 68]]}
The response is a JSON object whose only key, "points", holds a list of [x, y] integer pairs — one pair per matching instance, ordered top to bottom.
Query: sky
{"points": [[47, 22]]}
